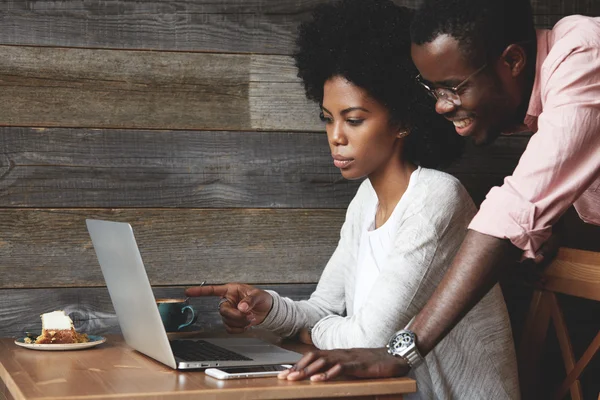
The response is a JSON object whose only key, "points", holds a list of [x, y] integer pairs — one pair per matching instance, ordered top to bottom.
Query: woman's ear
{"points": [[402, 133]]}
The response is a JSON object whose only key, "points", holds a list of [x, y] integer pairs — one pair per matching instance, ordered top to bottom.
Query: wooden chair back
{"points": [[575, 273]]}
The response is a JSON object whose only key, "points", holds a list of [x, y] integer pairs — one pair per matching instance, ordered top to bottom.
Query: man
{"points": [[491, 73]]}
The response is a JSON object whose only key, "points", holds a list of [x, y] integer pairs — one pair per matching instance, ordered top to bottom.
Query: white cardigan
{"points": [[476, 360]]}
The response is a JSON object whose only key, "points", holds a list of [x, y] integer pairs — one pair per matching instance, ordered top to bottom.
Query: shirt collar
{"points": [[535, 102]]}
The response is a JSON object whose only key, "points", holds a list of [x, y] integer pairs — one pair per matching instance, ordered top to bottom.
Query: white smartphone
{"points": [[259, 371]]}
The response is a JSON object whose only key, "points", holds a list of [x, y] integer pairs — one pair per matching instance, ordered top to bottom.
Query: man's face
{"points": [[487, 103]]}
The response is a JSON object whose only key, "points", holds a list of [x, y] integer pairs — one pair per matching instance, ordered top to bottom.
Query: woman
{"points": [[405, 221]]}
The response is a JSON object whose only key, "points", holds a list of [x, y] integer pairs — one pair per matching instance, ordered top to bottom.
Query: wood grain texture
{"points": [[566, 7], [224, 26], [258, 26], [48, 87], [114, 168], [132, 168], [481, 168], [51, 247], [574, 272], [92, 312], [565, 345], [583, 362], [115, 371], [4, 391], [376, 397]]}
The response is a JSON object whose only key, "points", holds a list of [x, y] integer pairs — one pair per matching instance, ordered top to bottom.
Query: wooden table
{"points": [[115, 371]]}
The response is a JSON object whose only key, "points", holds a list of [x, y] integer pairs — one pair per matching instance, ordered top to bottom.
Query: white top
{"points": [[376, 244], [476, 360]]}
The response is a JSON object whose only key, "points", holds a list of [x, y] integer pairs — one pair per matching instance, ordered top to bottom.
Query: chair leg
{"points": [[565, 345], [579, 367]]}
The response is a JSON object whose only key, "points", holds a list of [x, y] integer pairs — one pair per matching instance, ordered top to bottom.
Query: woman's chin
{"points": [[351, 175]]}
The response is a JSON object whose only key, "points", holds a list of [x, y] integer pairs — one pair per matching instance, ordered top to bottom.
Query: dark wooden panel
{"points": [[566, 7], [549, 20], [546, 21], [150, 25], [259, 26], [47, 87], [501, 157], [483, 167], [113, 168], [478, 186], [578, 234], [51, 248], [92, 311]]}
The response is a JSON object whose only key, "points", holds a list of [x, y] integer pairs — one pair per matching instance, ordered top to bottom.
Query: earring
{"points": [[402, 134]]}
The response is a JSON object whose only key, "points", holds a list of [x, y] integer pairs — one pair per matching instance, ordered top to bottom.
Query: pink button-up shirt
{"points": [[561, 164]]}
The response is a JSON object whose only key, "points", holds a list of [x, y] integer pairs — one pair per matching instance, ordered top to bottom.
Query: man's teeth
{"points": [[463, 123]]}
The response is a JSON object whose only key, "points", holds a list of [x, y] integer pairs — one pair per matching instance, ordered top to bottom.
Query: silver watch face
{"points": [[402, 340]]}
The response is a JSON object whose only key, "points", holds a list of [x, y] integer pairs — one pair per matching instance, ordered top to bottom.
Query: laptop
{"points": [[138, 315]]}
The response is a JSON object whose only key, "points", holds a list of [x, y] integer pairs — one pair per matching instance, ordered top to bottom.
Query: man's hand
{"points": [[549, 249], [532, 271], [242, 306], [363, 363]]}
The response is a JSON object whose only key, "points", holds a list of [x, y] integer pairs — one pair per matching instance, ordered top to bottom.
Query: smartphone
{"points": [[259, 371]]}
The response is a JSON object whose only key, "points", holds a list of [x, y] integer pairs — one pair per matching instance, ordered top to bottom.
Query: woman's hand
{"points": [[241, 307], [363, 363]]}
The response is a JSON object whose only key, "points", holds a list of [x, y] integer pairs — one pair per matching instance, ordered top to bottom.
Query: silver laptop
{"points": [[138, 315]]}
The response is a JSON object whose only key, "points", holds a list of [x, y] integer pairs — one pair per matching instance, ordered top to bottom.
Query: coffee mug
{"points": [[176, 314]]}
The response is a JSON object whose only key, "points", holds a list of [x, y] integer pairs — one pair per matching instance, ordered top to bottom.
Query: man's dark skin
{"points": [[492, 102]]}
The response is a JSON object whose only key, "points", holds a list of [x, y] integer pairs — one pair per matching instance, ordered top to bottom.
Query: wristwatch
{"points": [[404, 344]]}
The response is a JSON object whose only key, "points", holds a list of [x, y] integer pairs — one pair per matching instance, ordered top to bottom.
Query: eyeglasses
{"points": [[449, 94]]}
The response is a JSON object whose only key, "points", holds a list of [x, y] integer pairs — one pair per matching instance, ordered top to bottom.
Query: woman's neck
{"points": [[390, 184]]}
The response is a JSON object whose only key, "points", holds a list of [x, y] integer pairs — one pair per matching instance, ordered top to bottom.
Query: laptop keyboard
{"points": [[200, 350]]}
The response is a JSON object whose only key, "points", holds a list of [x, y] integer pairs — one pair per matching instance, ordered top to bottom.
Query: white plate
{"points": [[94, 341]]}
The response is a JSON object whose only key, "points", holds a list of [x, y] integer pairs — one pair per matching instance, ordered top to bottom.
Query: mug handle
{"points": [[192, 320]]}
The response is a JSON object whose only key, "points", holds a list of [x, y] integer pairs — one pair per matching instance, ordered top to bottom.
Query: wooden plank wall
{"points": [[186, 119]]}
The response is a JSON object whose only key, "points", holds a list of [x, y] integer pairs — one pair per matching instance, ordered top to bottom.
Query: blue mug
{"points": [[176, 314]]}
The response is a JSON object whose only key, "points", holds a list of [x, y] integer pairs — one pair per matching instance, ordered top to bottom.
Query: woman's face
{"points": [[361, 138]]}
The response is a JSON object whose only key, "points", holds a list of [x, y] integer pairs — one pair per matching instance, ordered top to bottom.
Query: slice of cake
{"points": [[57, 328]]}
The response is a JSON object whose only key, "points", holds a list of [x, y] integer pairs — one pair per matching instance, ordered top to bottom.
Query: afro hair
{"points": [[368, 44]]}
